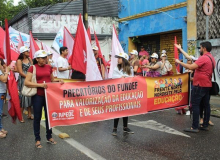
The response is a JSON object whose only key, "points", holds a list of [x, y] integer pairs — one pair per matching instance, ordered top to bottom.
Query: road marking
{"points": [[154, 125], [78, 145]]}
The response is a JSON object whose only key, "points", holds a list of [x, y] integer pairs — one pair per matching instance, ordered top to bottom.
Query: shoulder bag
{"points": [[215, 88], [26, 91]]}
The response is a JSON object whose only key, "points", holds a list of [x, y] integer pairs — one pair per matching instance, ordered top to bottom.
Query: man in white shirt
{"points": [[63, 67]]}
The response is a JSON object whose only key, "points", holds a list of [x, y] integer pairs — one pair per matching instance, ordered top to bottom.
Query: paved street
{"points": [[157, 135]]}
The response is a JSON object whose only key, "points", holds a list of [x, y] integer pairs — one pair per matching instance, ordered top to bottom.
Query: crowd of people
{"points": [[129, 65]]}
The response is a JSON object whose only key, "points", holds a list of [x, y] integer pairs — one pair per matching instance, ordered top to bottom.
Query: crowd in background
{"points": [[129, 65]]}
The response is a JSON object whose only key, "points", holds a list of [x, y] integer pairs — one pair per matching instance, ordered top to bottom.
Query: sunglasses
{"points": [[153, 58]]}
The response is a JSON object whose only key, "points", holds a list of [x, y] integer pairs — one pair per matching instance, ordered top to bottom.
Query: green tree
{"points": [[8, 10]]}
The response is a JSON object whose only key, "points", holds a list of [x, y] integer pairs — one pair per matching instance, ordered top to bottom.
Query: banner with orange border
{"points": [[84, 102]]}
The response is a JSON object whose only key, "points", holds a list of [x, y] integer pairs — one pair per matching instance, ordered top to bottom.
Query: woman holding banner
{"points": [[23, 64], [122, 70], [43, 75]]}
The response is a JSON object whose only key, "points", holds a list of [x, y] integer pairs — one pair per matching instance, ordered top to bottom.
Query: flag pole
{"points": [[85, 13]]}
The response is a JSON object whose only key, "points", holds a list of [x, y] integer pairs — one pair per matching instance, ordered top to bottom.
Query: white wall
{"points": [[215, 52]]}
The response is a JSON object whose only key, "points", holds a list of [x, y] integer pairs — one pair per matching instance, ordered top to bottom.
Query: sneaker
{"points": [[188, 113], [4, 115], [204, 128], [127, 130], [4, 131], [114, 133], [2, 135]]}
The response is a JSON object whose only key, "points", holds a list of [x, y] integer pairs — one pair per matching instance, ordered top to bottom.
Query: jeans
{"points": [[200, 95], [38, 103], [1, 109], [125, 122]]}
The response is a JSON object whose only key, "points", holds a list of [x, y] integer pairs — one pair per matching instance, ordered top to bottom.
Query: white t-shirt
{"points": [[62, 62], [119, 73]]}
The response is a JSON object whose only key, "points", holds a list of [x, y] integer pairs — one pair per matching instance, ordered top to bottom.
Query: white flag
{"points": [[58, 41], [68, 41], [47, 48], [116, 49]]}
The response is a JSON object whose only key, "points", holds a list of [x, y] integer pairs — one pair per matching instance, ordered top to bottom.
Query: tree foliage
{"points": [[8, 10]]}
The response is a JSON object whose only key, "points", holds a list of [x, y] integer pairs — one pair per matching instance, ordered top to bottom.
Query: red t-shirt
{"points": [[43, 73], [203, 74]]}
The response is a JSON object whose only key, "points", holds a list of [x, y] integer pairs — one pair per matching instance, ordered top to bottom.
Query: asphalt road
{"points": [[157, 135]]}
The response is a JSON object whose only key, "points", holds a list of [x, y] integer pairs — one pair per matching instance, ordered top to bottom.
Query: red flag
{"points": [[89, 34], [2, 35], [20, 41], [68, 41], [33, 46], [14, 51], [100, 52], [176, 55], [78, 57], [83, 58], [14, 103]]}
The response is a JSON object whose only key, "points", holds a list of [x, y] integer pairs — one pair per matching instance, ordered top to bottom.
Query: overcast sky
{"points": [[16, 2]]}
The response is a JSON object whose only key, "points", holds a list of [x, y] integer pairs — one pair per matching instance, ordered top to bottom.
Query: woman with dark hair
{"points": [[23, 64], [122, 70], [44, 75]]}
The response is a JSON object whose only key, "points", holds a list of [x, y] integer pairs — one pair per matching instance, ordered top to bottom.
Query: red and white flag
{"points": [[89, 34], [20, 41], [68, 41], [33, 46], [116, 49], [100, 52], [101, 56], [83, 58], [14, 103]]}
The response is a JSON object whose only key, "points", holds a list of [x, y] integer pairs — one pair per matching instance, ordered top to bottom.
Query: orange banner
{"points": [[85, 102]]}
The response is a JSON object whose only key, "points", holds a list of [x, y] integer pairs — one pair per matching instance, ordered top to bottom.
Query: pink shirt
{"points": [[141, 53], [145, 62], [203, 74]]}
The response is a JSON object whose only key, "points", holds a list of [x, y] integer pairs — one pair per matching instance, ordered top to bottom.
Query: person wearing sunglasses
{"points": [[154, 66]]}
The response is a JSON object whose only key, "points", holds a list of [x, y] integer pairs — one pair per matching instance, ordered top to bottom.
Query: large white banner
{"points": [[52, 23]]}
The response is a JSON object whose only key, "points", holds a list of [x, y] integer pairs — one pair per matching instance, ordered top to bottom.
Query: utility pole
{"points": [[85, 13]]}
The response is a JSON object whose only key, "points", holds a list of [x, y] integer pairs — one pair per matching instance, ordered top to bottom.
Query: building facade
{"points": [[45, 22], [153, 24]]}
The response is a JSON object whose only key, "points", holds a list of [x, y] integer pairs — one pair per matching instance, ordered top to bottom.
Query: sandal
{"points": [[30, 117], [22, 121], [51, 141], [39, 146]]}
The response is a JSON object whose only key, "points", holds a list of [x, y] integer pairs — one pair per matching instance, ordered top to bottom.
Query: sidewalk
{"points": [[215, 106]]}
